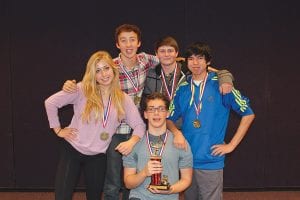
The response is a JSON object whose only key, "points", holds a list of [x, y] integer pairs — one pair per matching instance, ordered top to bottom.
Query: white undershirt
{"points": [[197, 82]]}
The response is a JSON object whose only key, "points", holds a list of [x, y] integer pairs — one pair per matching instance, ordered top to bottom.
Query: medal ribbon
{"points": [[130, 79], [173, 83], [201, 92], [106, 113], [163, 146]]}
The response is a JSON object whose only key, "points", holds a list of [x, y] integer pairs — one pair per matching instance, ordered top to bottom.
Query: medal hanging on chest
{"points": [[135, 85], [165, 85], [137, 100], [198, 105], [196, 123], [105, 135], [156, 148]]}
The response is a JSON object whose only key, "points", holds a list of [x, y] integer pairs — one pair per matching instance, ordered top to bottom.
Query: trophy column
{"points": [[156, 179]]}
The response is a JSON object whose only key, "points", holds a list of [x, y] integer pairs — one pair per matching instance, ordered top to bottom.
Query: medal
{"points": [[135, 86], [170, 94], [137, 100], [198, 106], [196, 123], [104, 136], [158, 146]]}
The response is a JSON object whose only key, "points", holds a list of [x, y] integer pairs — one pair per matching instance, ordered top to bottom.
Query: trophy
{"points": [[158, 182]]}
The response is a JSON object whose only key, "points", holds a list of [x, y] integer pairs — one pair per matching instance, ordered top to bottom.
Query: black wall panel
{"points": [[50, 42], [44, 43], [283, 123], [6, 131]]}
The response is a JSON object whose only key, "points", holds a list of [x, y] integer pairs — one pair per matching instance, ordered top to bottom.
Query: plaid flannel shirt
{"points": [[138, 76]]}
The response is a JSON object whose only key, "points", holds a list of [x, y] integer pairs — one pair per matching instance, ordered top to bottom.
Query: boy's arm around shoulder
{"points": [[225, 79], [70, 86], [175, 113], [179, 140]]}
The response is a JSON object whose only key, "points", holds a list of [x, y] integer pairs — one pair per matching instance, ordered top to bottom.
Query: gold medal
{"points": [[137, 100], [198, 103], [196, 123], [104, 136]]}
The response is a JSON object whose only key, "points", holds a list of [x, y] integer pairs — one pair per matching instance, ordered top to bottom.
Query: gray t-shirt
{"points": [[173, 159]]}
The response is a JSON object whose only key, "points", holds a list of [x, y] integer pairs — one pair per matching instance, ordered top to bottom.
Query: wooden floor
{"points": [[278, 195]]}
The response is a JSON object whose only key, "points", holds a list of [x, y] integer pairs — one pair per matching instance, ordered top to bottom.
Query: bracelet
{"points": [[58, 131]]}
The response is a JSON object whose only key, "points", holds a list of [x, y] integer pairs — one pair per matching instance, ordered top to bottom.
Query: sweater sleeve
{"points": [[56, 101], [133, 117]]}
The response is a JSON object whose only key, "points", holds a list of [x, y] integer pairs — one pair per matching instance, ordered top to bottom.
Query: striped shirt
{"points": [[135, 85]]}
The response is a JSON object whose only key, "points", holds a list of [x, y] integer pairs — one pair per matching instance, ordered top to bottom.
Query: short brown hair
{"points": [[128, 28], [166, 41], [157, 95]]}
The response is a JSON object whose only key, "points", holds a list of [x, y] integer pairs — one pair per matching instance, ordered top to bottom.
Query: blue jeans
{"points": [[68, 171], [114, 183]]}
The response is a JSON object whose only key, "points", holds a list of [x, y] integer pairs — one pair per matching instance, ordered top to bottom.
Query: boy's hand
{"points": [[178, 59], [225, 81], [70, 86], [225, 88], [179, 141], [125, 147], [221, 149], [153, 167]]}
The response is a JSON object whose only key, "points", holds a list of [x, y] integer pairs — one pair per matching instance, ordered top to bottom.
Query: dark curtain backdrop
{"points": [[44, 43]]}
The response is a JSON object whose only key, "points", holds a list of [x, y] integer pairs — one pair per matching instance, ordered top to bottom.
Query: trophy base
{"points": [[159, 187]]}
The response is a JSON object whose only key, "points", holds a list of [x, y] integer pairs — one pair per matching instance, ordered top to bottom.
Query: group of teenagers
{"points": [[124, 107]]}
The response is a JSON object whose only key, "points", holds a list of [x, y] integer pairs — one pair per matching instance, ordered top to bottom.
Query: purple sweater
{"points": [[88, 140]]}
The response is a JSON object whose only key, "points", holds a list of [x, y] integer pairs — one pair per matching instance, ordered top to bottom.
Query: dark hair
{"points": [[128, 28], [166, 41], [199, 48], [157, 95]]}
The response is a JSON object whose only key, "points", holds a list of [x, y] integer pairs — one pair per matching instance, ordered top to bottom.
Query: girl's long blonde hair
{"points": [[94, 104]]}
